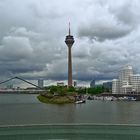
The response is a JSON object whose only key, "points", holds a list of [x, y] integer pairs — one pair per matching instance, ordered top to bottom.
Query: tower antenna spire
{"points": [[69, 28]]}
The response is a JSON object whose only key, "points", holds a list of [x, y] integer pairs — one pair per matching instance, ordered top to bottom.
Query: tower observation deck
{"points": [[69, 42]]}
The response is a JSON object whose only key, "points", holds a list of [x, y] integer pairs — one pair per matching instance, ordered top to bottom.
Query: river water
{"points": [[22, 109]]}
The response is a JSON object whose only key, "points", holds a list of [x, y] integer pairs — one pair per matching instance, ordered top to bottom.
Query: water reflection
{"points": [[26, 109], [126, 112]]}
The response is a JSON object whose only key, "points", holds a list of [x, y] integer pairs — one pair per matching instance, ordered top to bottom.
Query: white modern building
{"points": [[124, 78], [127, 82], [135, 82], [115, 86], [126, 89]]}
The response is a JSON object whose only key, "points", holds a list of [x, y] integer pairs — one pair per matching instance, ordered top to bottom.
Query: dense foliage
{"points": [[63, 90], [96, 90]]}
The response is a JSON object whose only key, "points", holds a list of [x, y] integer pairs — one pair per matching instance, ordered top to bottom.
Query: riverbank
{"points": [[50, 99]]}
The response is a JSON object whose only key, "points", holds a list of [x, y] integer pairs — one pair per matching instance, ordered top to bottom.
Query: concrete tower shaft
{"points": [[69, 42]]}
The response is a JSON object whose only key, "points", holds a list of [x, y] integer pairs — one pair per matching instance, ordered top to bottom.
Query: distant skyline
{"points": [[32, 34]]}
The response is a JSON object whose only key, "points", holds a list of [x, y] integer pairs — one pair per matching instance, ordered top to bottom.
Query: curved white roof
{"points": [[115, 80]]}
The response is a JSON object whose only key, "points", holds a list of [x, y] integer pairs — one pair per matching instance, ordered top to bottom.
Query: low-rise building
{"points": [[60, 83]]}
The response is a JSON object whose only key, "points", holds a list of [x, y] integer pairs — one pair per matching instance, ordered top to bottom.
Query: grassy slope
{"points": [[56, 99]]}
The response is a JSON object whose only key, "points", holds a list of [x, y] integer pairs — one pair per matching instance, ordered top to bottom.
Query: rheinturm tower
{"points": [[69, 41]]}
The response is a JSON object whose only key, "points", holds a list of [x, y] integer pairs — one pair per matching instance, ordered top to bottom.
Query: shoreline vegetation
{"points": [[65, 95]]}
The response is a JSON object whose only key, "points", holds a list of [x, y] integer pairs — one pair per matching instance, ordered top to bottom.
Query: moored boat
{"points": [[80, 102]]}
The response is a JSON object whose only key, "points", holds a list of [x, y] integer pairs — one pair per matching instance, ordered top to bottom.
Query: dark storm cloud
{"points": [[127, 13], [111, 22], [102, 32]]}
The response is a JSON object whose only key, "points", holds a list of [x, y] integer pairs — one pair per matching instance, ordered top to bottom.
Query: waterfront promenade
{"points": [[27, 91], [120, 95], [71, 132]]}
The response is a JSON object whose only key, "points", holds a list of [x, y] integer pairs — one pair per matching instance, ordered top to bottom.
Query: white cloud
{"points": [[15, 48]]}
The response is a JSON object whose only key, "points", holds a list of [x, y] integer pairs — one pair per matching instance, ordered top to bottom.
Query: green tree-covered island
{"points": [[65, 95]]}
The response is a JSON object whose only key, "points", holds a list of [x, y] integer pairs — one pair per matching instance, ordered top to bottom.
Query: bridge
{"points": [[37, 89]]}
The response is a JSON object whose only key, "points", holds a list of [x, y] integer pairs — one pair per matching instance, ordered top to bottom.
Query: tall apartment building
{"points": [[40, 83], [92, 83], [115, 86]]}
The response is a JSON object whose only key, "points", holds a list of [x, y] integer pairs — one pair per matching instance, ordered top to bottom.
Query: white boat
{"points": [[127, 98], [80, 102]]}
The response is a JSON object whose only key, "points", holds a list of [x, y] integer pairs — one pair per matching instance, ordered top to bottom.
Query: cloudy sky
{"points": [[32, 34]]}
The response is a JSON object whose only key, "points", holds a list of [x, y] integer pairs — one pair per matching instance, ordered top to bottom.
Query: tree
{"points": [[53, 89], [71, 89], [60, 90], [96, 90], [81, 91]]}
